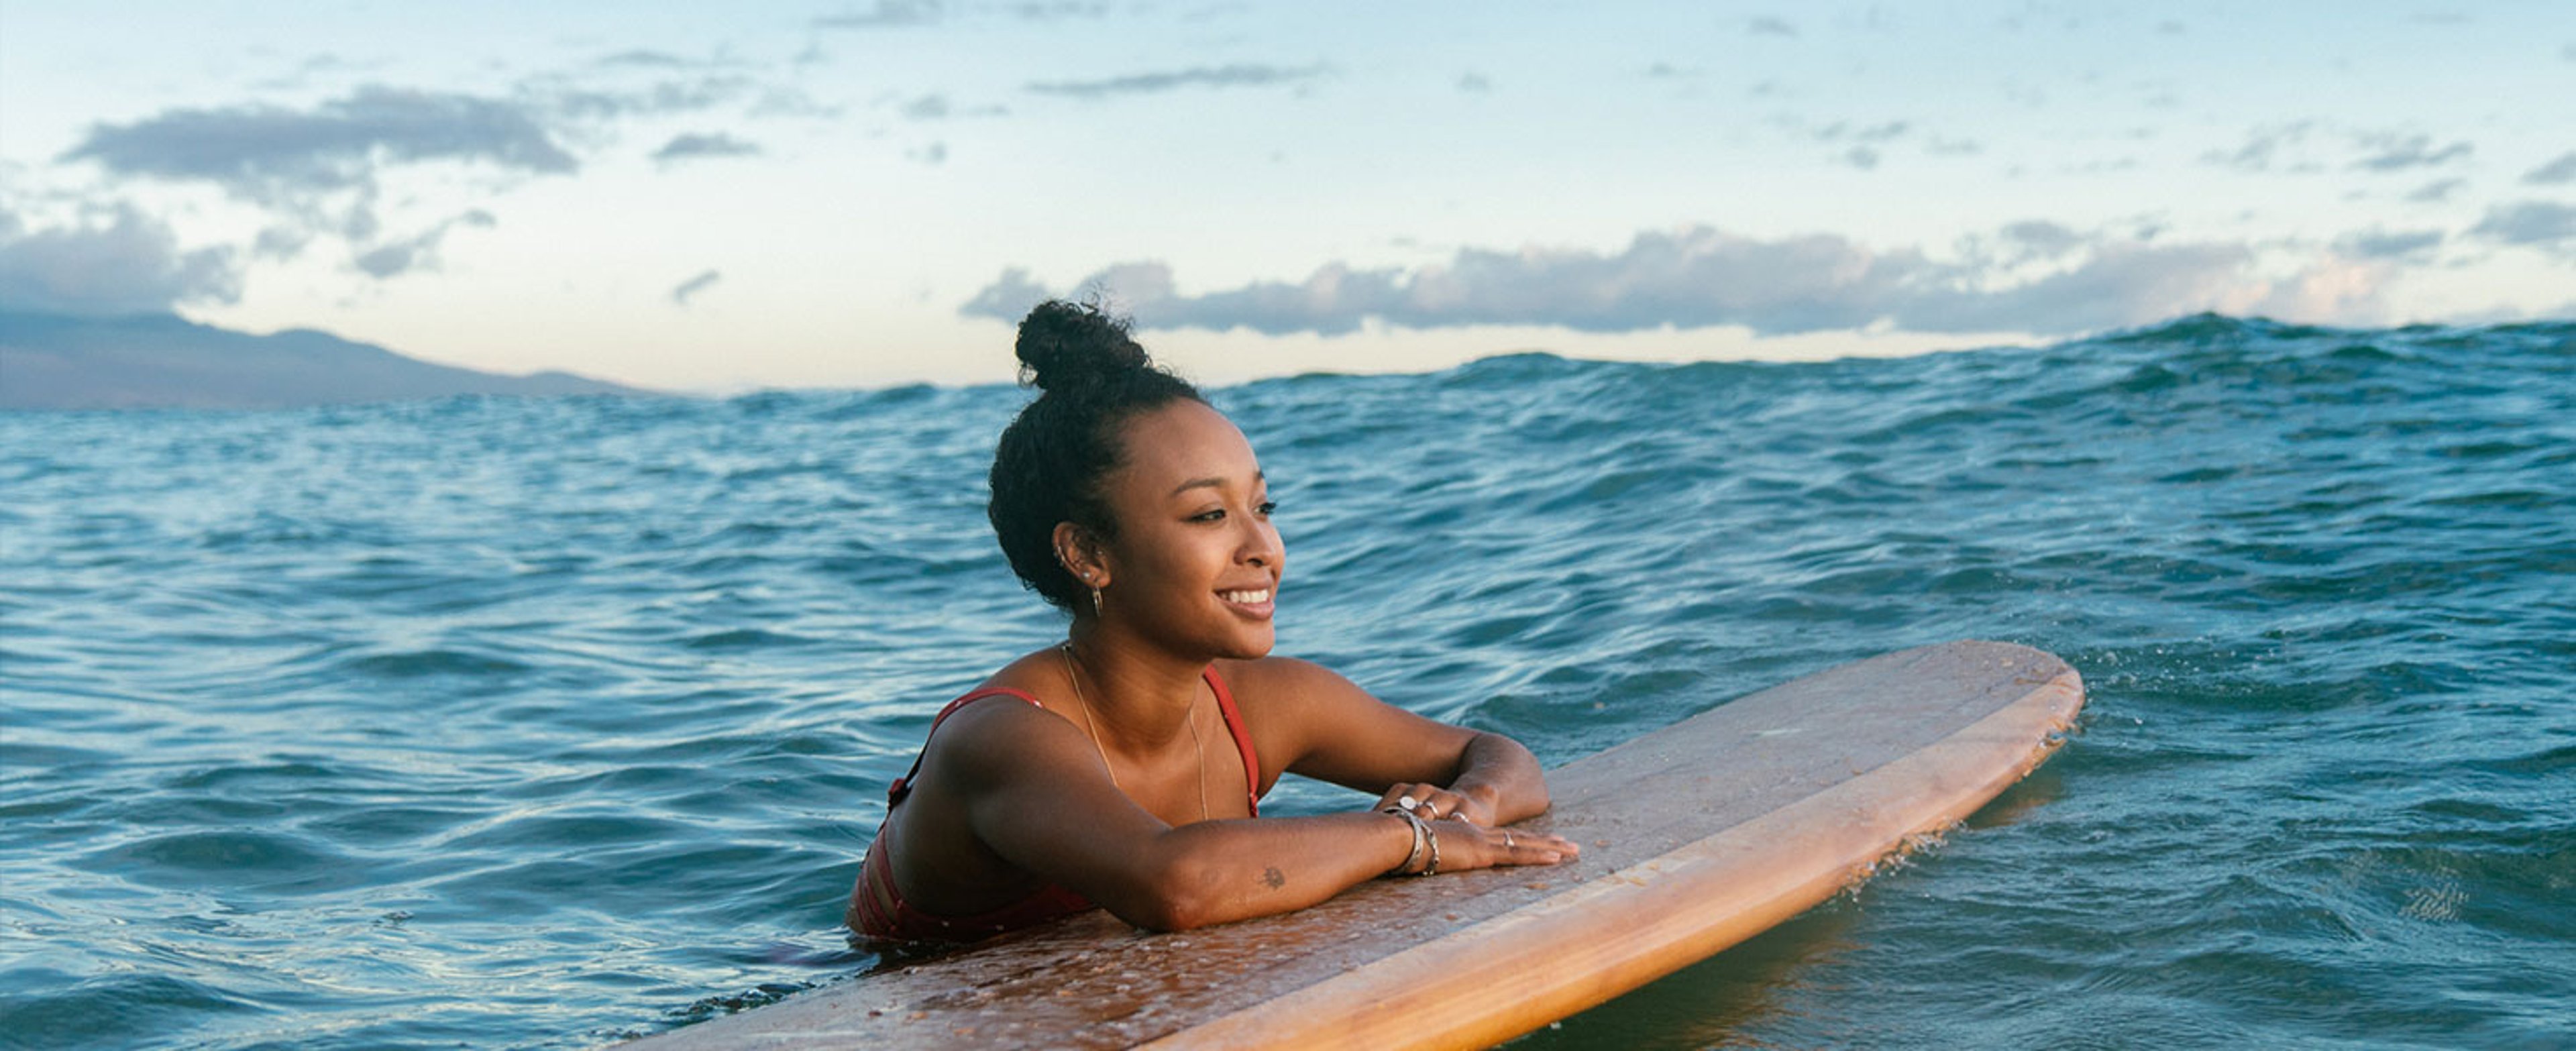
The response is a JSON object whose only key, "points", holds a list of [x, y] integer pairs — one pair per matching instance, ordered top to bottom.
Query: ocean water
{"points": [[539, 723]]}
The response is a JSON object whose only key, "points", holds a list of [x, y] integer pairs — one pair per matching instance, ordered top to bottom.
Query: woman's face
{"points": [[1196, 562]]}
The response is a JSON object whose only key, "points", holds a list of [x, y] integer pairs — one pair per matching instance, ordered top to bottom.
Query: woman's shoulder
{"points": [[1033, 676], [1275, 680], [1001, 709]]}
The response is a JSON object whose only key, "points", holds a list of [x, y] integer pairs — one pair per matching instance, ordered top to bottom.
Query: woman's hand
{"points": [[1434, 803], [1459, 845]]}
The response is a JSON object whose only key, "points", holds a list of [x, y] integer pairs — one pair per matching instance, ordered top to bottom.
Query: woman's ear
{"points": [[1081, 555]]}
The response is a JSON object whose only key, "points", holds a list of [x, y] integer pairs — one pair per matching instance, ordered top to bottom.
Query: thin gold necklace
{"points": [[1197, 747]]}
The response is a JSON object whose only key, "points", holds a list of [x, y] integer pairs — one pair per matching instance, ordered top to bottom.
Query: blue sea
{"points": [[538, 723]]}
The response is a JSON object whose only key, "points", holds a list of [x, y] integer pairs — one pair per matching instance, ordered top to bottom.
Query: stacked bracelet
{"points": [[1423, 839], [1432, 867]]}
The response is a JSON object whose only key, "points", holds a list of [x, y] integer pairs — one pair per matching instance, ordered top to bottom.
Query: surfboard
{"points": [[1695, 837]]}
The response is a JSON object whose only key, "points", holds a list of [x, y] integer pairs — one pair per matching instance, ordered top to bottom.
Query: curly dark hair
{"points": [[1054, 457]]}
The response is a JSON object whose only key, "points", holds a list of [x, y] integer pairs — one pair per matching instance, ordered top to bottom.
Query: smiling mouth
{"points": [[1247, 598]]}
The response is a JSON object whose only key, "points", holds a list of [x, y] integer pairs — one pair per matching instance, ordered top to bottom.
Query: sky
{"points": [[717, 198]]}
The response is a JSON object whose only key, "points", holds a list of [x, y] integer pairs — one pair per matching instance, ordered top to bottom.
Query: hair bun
{"points": [[1067, 344]]}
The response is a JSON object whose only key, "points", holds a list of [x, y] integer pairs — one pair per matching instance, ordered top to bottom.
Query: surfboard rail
{"points": [[1696, 837]]}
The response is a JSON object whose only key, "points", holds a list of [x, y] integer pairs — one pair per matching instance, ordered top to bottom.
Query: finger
{"points": [[1405, 796], [1428, 802], [1458, 806], [1555, 846], [1490, 847], [1537, 847]]}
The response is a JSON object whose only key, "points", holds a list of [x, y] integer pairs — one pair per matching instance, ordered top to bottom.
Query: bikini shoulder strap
{"points": [[902, 786]]}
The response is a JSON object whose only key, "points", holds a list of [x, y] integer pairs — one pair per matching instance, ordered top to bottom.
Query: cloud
{"points": [[1059, 9], [886, 14], [1766, 25], [647, 59], [650, 61], [305, 72], [1231, 76], [1474, 83], [550, 97], [790, 102], [938, 107], [1842, 131], [713, 144], [2263, 146], [2293, 146], [2392, 152], [271, 154], [1864, 154], [319, 169], [322, 169], [2554, 173], [2436, 191], [2540, 224], [2031, 240], [281, 242], [2390, 244], [417, 252], [130, 263], [2030, 277], [2331, 290], [681, 293], [1009, 297]]}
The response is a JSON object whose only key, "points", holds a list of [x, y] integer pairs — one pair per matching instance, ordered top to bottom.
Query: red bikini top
{"points": [[878, 910]]}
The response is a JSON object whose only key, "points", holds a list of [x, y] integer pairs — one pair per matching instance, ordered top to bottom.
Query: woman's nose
{"points": [[1262, 546]]}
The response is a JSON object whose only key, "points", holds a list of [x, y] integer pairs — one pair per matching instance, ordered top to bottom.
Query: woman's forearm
{"points": [[1220, 871]]}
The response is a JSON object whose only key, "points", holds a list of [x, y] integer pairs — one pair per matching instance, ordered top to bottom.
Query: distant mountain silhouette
{"points": [[163, 361]]}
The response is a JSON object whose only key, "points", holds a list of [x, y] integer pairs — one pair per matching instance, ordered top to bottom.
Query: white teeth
{"points": [[1249, 598]]}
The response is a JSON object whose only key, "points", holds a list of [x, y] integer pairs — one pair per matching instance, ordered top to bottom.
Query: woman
{"points": [[1121, 767]]}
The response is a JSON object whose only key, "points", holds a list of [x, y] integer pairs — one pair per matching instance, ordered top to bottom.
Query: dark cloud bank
{"points": [[268, 154], [319, 171], [2546, 225], [124, 262], [2029, 277]]}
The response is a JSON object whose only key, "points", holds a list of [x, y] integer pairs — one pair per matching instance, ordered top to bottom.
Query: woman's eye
{"points": [[1268, 508], [1217, 515]]}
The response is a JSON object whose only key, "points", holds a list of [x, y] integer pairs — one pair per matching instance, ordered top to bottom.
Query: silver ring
{"points": [[1407, 802], [1507, 839]]}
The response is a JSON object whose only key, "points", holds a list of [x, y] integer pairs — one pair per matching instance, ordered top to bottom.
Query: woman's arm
{"points": [[1324, 726], [1497, 783], [1037, 796]]}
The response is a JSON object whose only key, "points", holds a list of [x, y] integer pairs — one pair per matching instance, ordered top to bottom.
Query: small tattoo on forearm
{"points": [[1274, 878]]}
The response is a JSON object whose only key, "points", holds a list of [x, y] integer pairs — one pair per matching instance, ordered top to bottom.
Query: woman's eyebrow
{"points": [[1210, 483]]}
